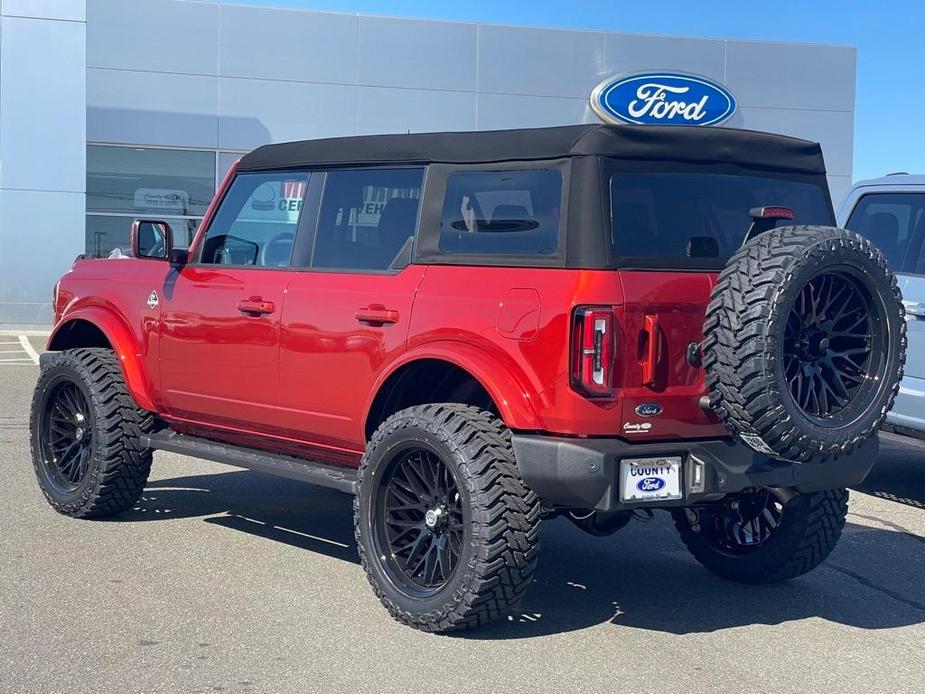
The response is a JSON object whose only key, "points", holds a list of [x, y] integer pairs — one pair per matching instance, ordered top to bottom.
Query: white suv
{"points": [[890, 211]]}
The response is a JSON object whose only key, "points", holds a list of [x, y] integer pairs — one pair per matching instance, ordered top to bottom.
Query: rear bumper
{"points": [[585, 473]]}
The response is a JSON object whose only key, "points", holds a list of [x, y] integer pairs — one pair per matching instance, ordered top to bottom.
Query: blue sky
{"points": [[889, 36]]}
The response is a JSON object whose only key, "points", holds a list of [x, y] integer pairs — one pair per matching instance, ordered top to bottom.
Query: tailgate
{"points": [[662, 320]]}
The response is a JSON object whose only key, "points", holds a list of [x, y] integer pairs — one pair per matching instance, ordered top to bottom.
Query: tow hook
{"points": [[783, 495], [693, 519]]}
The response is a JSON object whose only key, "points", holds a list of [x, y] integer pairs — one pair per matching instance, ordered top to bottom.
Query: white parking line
{"points": [[26, 345]]}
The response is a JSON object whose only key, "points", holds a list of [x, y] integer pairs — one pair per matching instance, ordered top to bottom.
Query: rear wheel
{"points": [[85, 431], [447, 532], [753, 537]]}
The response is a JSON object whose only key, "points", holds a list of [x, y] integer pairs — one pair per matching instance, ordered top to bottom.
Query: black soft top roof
{"points": [[640, 142]]}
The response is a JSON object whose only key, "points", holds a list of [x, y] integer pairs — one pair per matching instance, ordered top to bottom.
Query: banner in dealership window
{"points": [[662, 98], [176, 201], [275, 201]]}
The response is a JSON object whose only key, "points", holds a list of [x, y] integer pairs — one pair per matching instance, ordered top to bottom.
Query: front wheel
{"points": [[85, 435], [447, 532], [754, 537]]}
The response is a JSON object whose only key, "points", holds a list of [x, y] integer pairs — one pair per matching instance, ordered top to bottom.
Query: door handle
{"points": [[256, 306], [915, 309], [376, 315], [650, 361]]}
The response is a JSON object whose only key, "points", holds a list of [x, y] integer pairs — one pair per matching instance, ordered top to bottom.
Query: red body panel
{"points": [[112, 295], [331, 356], [218, 362], [301, 373]]}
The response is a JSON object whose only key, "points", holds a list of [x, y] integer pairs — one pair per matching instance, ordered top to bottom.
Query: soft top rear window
{"points": [[699, 219]]}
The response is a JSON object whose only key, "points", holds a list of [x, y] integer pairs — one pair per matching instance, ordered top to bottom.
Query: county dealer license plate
{"points": [[650, 479]]}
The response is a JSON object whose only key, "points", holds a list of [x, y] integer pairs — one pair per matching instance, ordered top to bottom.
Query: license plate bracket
{"points": [[651, 479]]}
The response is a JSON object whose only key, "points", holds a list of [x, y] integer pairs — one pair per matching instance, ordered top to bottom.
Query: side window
{"points": [[502, 212], [367, 218], [256, 222], [895, 222]]}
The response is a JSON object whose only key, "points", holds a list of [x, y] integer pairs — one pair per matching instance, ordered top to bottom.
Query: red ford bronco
{"points": [[472, 332]]}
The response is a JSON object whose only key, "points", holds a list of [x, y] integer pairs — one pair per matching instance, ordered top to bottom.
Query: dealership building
{"points": [[112, 109]]}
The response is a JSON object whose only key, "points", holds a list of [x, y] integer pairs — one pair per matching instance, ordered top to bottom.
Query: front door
{"points": [[220, 314], [347, 317]]}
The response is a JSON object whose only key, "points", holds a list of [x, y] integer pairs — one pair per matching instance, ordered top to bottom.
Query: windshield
{"points": [[698, 217]]}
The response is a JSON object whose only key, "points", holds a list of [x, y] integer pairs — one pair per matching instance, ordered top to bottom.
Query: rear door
{"points": [[895, 221], [220, 314], [347, 315]]}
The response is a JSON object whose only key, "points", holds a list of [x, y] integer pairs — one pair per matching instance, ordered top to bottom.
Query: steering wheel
{"points": [[277, 251]]}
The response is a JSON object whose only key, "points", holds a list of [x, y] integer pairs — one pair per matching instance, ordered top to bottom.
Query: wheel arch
{"points": [[96, 326], [446, 361]]}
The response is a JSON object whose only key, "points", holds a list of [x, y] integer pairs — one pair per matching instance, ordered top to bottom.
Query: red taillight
{"points": [[593, 349]]}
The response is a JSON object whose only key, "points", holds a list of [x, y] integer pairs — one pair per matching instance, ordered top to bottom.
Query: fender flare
{"points": [[126, 348], [505, 388]]}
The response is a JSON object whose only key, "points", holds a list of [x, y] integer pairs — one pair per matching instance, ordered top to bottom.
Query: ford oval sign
{"points": [[662, 98], [650, 484]]}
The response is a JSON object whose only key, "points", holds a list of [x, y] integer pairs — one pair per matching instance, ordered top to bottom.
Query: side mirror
{"points": [[151, 239]]}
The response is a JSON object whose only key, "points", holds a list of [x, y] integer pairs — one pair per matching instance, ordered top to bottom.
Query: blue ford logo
{"points": [[662, 98], [649, 409], [650, 484]]}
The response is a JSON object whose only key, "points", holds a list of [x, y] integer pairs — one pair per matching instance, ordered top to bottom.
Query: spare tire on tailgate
{"points": [[804, 342]]}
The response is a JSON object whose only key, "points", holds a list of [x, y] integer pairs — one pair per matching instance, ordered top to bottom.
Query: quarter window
{"points": [[502, 212], [367, 219], [256, 221], [895, 223]]}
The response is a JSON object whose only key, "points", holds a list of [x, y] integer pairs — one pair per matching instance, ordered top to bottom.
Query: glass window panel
{"points": [[150, 182], [502, 212], [691, 215], [367, 219], [257, 220], [895, 223], [105, 233]]}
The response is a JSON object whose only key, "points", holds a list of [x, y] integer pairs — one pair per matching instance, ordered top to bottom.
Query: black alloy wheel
{"points": [[804, 343], [833, 346], [67, 435], [86, 435], [747, 520], [419, 521], [446, 530], [752, 537]]}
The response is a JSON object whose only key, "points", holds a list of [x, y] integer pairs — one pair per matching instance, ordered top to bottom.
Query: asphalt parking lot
{"points": [[225, 580]]}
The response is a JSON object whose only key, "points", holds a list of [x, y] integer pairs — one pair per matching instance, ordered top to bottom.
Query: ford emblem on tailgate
{"points": [[662, 98], [649, 409], [650, 484]]}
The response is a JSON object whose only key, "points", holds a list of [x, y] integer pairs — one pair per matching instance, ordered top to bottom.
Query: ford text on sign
{"points": [[662, 98]]}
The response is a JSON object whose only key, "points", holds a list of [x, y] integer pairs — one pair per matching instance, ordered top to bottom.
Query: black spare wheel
{"points": [[804, 342], [447, 532]]}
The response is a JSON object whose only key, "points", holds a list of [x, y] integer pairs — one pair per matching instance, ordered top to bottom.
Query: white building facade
{"points": [[111, 109]]}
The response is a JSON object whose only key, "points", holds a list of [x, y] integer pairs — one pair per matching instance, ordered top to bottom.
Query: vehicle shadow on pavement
{"points": [[899, 474], [300, 515], [642, 577], [645, 579]]}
